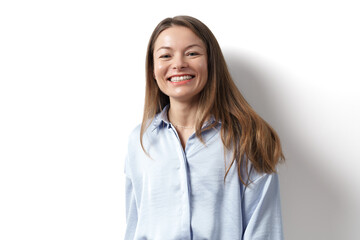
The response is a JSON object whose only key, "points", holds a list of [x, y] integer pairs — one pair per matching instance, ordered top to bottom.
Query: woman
{"points": [[202, 165]]}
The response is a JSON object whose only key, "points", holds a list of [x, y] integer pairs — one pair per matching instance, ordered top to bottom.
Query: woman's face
{"points": [[180, 64]]}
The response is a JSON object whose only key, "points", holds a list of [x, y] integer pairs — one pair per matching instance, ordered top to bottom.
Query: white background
{"points": [[72, 89]]}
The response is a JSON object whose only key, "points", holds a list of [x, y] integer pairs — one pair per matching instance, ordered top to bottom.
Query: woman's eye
{"points": [[192, 54], [165, 56]]}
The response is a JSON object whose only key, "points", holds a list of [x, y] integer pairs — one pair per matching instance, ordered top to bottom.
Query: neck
{"points": [[182, 114]]}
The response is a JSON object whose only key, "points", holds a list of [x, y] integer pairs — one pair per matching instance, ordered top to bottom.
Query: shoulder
{"points": [[135, 135], [133, 151], [252, 177], [259, 182]]}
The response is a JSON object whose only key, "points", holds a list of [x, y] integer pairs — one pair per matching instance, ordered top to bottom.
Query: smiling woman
{"points": [[180, 64], [180, 70], [202, 165]]}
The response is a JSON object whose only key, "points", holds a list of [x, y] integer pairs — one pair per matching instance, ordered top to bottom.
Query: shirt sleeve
{"points": [[131, 209], [262, 209]]}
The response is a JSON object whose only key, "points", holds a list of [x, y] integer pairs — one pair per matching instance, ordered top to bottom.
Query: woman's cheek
{"points": [[158, 69]]}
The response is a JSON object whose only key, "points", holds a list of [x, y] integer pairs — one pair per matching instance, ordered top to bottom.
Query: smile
{"points": [[180, 78]]}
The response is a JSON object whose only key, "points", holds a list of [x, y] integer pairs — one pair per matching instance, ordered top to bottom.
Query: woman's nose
{"points": [[180, 62]]}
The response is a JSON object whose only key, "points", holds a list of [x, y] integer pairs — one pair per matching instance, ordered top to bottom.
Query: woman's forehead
{"points": [[177, 37]]}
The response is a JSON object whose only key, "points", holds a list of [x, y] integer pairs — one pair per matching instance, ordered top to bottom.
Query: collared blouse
{"points": [[174, 194]]}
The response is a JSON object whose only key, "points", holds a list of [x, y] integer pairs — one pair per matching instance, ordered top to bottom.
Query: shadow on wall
{"points": [[312, 208]]}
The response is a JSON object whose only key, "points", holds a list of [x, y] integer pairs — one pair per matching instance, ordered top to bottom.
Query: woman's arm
{"points": [[131, 209], [262, 209]]}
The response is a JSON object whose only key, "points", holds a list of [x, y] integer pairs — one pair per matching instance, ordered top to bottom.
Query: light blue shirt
{"points": [[181, 194]]}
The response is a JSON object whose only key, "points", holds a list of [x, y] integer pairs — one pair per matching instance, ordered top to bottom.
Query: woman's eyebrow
{"points": [[193, 45], [163, 48], [169, 48]]}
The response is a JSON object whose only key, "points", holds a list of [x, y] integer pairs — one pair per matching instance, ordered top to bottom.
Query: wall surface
{"points": [[72, 89]]}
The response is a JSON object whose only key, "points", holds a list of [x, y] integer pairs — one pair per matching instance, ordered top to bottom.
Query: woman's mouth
{"points": [[176, 79]]}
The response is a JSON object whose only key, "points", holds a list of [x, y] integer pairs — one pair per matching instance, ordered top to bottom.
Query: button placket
{"points": [[184, 211]]}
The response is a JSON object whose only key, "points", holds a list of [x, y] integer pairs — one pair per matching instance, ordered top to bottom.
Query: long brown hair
{"points": [[242, 130]]}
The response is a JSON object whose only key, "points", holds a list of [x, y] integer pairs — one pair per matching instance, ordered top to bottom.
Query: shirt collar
{"points": [[161, 120]]}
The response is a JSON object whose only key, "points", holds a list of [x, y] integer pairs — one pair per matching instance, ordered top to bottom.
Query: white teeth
{"points": [[181, 78]]}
